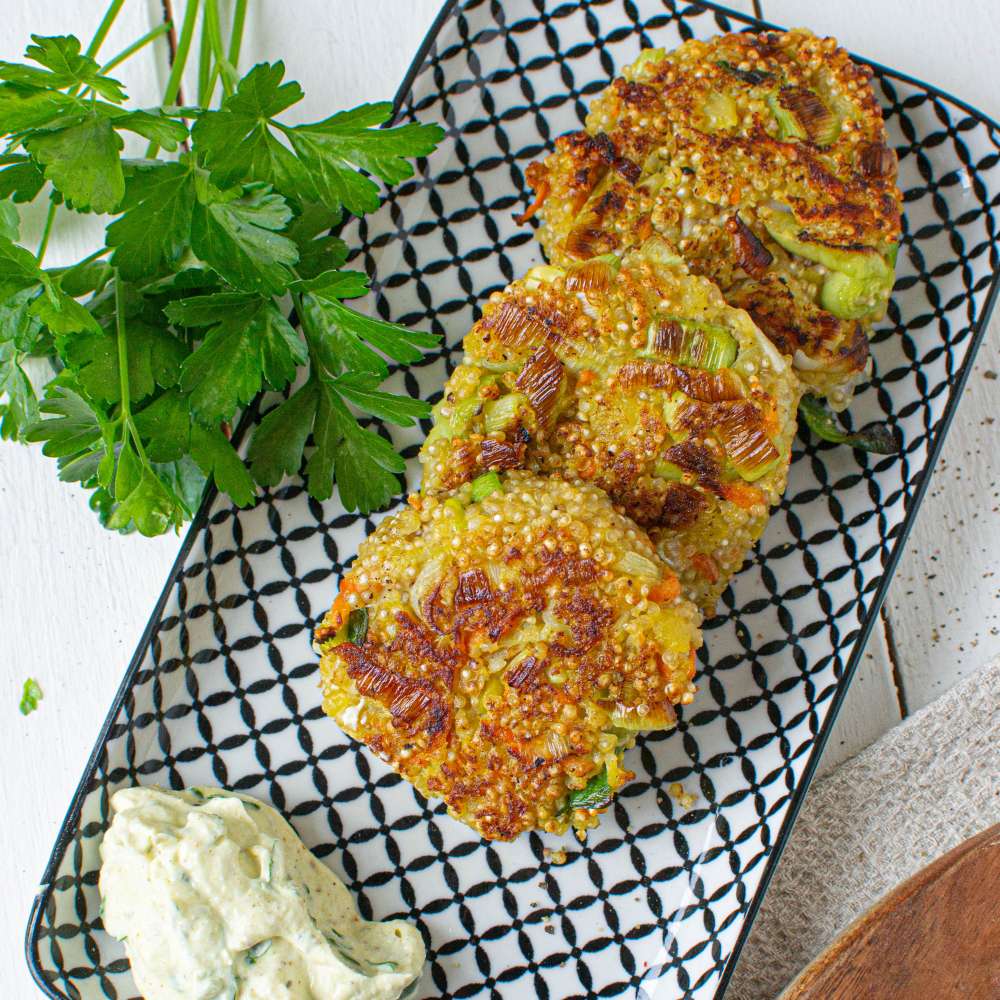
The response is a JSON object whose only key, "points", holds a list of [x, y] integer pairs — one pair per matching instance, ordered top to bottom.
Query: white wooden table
{"points": [[75, 598]]}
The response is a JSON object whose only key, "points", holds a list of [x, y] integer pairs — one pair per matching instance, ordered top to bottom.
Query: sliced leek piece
{"points": [[691, 343], [502, 413]]}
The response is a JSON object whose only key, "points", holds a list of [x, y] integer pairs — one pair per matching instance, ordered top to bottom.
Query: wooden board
{"points": [[935, 936]]}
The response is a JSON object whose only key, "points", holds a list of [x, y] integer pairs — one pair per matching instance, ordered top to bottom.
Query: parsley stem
{"points": [[104, 27], [236, 35], [139, 43], [180, 57], [221, 68], [205, 78], [173, 86], [47, 231], [56, 272], [305, 325], [122, 351], [128, 428]]}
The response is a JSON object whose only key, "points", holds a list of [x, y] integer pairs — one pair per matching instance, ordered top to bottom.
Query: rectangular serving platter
{"points": [[223, 687]]}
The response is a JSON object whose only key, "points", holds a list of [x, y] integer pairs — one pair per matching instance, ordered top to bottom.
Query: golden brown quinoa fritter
{"points": [[763, 158], [635, 376], [502, 653]]}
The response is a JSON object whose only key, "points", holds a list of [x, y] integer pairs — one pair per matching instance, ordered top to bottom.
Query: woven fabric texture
{"points": [[879, 818]]}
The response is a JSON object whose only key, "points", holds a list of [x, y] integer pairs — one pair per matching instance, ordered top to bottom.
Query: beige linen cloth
{"points": [[880, 817]]}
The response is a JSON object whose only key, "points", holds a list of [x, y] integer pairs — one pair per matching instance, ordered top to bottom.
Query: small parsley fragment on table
{"points": [[162, 336], [31, 695]]}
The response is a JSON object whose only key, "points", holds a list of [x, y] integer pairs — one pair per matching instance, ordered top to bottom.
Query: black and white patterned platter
{"points": [[223, 689]]}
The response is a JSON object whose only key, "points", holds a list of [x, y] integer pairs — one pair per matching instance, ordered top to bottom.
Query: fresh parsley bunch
{"points": [[162, 335]]}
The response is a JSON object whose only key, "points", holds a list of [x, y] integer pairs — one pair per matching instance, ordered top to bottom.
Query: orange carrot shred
{"points": [[541, 194], [742, 495], [705, 566], [666, 590], [340, 610]]}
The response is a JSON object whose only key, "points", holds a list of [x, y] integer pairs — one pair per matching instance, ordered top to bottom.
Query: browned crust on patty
{"points": [[707, 186], [490, 669]]}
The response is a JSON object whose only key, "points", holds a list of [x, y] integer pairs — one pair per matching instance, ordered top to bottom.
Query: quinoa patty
{"points": [[763, 158], [636, 376], [501, 653]]}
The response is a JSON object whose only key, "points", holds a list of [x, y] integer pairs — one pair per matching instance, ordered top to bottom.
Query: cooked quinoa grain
{"points": [[763, 158], [636, 376], [502, 653]]}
